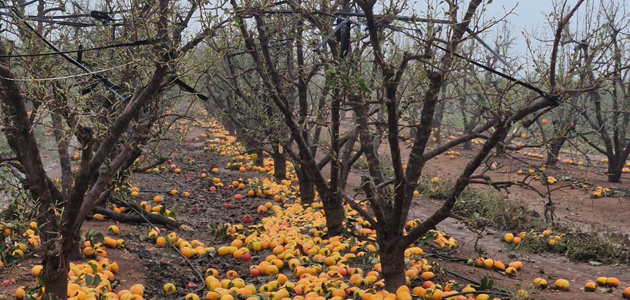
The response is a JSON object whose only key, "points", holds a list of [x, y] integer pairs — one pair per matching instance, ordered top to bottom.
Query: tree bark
{"points": [[554, 150], [279, 163], [614, 170], [307, 188], [335, 213], [392, 263], [55, 273]]}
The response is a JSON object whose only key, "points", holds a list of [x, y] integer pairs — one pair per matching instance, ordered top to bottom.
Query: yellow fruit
{"points": [[98, 217], [113, 229], [508, 237], [160, 241], [188, 252], [17, 253], [488, 263], [516, 265], [36, 270], [510, 271], [427, 275], [601, 281], [540, 283], [561, 284], [590, 286], [169, 288], [20, 293], [191, 296], [482, 297]]}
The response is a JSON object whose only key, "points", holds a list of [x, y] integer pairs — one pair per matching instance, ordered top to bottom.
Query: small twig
{"points": [[171, 180]]}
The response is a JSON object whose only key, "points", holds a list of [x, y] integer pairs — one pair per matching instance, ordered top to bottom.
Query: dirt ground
{"points": [[141, 262]]}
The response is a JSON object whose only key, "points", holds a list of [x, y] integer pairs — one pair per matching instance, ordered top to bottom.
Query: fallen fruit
{"points": [[247, 219], [508, 237], [612, 282], [540, 283], [561, 284], [590, 286], [169, 288]]}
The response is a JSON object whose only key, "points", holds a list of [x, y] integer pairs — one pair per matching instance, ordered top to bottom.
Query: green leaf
{"points": [[237, 20], [331, 82], [363, 86], [175, 207], [163, 210], [99, 237], [595, 263], [89, 280], [97, 280]]}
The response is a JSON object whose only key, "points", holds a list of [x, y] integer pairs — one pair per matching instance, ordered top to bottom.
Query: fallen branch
{"points": [[150, 166], [158, 219]]}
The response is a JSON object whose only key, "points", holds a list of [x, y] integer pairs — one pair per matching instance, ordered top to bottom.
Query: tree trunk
{"points": [[554, 150], [64, 156], [260, 160], [279, 163], [614, 170], [307, 188], [335, 214], [392, 262], [55, 272]]}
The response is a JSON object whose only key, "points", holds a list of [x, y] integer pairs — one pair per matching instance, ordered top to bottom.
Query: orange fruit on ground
{"points": [[238, 197], [508, 237], [516, 240], [188, 252], [488, 263], [499, 265], [516, 265], [36, 270], [231, 274], [427, 275], [601, 281], [612, 282], [540, 283], [561, 284], [590, 286], [137, 289], [419, 292], [20, 293], [626, 293]]}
